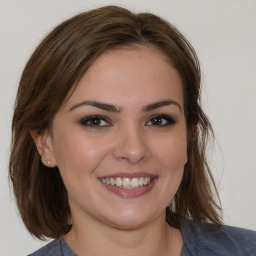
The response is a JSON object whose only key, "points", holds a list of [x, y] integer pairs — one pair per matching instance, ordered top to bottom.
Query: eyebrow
{"points": [[97, 104], [160, 104], [112, 108]]}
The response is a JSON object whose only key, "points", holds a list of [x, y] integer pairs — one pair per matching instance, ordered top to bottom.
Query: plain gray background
{"points": [[223, 32]]}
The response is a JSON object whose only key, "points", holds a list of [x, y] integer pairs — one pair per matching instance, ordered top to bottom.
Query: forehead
{"points": [[138, 72]]}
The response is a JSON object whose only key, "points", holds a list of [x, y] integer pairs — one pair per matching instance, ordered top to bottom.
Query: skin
{"points": [[129, 141]]}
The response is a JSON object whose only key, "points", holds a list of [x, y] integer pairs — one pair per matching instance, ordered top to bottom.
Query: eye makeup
{"points": [[161, 120], [95, 121]]}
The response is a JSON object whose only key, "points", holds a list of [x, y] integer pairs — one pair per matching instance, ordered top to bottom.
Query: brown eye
{"points": [[161, 120], [158, 121], [94, 122]]}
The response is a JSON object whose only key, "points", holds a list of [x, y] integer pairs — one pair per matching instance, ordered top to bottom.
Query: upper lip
{"points": [[129, 175]]}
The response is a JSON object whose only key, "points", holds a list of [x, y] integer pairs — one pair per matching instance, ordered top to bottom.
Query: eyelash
{"points": [[168, 120], [88, 121]]}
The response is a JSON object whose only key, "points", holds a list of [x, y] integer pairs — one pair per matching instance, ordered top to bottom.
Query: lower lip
{"points": [[130, 193]]}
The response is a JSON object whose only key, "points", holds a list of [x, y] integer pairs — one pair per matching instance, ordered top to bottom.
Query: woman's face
{"points": [[120, 139]]}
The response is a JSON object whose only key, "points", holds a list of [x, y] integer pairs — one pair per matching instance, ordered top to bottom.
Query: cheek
{"points": [[172, 151], [77, 155], [174, 156], [171, 157]]}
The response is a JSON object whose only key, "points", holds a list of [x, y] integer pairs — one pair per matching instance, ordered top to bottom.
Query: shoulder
{"points": [[225, 240], [57, 247], [51, 249]]}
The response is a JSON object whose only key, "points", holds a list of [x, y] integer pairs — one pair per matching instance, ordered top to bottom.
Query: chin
{"points": [[132, 219]]}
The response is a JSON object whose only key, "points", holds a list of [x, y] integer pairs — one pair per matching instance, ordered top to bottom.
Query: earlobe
{"points": [[44, 147]]}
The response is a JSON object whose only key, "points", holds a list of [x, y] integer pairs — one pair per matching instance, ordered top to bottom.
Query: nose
{"points": [[131, 145]]}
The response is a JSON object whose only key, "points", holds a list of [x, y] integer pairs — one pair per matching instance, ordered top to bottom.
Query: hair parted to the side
{"points": [[52, 72]]}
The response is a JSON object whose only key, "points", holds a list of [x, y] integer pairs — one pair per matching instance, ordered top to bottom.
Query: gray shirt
{"points": [[199, 240]]}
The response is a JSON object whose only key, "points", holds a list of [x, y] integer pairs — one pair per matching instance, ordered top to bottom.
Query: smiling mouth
{"points": [[127, 183]]}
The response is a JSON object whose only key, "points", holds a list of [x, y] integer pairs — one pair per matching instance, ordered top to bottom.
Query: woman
{"points": [[108, 150]]}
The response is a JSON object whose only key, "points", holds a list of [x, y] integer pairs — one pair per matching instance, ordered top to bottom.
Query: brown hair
{"points": [[52, 72]]}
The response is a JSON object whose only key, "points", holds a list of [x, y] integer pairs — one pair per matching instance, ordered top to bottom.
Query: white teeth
{"points": [[112, 181], [141, 181], [119, 182], [127, 182], [135, 182]]}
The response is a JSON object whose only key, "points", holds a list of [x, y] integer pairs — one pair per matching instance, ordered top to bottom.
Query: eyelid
{"points": [[86, 119], [170, 120]]}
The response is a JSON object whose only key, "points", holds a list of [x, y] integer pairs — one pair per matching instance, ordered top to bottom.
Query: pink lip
{"points": [[130, 193]]}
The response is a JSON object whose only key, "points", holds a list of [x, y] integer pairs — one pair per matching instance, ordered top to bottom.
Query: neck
{"points": [[154, 238]]}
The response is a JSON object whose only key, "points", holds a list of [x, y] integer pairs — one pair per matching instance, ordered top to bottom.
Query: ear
{"points": [[44, 146]]}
